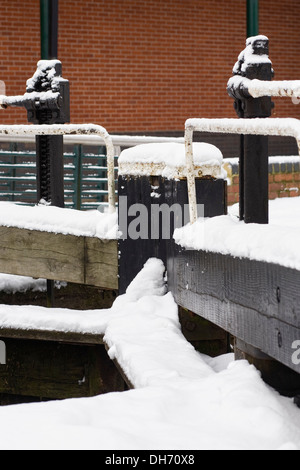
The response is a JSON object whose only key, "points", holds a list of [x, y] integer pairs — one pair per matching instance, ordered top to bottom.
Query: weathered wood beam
{"points": [[69, 258], [256, 302], [68, 337], [49, 370]]}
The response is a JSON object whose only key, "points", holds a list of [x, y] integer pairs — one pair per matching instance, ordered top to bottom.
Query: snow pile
{"points": [[169, 160], [44, 218], [277, 242], [183, 400]]}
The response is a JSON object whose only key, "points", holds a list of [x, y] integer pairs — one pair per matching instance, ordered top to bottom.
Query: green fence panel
{"points": [[85, 177]]}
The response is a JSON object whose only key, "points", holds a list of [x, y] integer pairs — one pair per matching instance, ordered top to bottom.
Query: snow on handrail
{"points": [[260, 88], [285, 88], [287, 127], [72, 129], [118, 140]]}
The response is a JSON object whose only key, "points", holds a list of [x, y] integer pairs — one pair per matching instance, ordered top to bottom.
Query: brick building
{"points": [[145, 66]]}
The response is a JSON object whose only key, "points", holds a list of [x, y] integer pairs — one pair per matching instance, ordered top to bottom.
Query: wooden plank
{"points": [[41, 254], [60, 257], [101, 263], [69, 295], [254, 301], [56, 336], [206, 337], [57, 371]]}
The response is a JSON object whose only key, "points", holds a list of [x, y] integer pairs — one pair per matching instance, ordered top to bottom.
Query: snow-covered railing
{"points": [[260, 88], [289, 89], [287, 127], [71, 129], [90, 140]]}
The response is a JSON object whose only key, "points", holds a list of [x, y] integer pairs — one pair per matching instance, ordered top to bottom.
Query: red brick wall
{"points": [[279, 20], [146, 65], [284, 181]]}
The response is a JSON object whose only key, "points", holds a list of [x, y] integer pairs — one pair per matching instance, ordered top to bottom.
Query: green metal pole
{"points": [[45, 12], [252, 18], [49, 39]]}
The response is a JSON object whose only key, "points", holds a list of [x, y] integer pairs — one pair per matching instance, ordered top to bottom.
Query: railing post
{"points": [[13, 148], [77, 176], [254, 185]]}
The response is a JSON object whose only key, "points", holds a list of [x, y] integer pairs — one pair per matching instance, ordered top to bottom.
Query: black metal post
{"points": [[44, 20], [53, 29], [47, 101], [49, 149], [254, 184]]}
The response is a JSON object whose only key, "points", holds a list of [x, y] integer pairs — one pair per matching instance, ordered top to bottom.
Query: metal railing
{"points": [[287, 127], [83, 129], [85, 169], [85, 179]]}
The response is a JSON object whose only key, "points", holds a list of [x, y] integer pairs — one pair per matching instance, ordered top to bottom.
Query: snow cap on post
{"points": [[252, 60], [253, 64], [168, 160]]}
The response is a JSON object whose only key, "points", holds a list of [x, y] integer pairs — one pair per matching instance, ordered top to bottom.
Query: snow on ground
{"points": [[277, 242], [182, 400]]}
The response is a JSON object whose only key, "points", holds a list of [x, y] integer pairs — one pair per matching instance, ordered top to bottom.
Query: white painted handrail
{"points": [[260, 88], [285, 88], [286, 127], [73, 129], [118, 140]]}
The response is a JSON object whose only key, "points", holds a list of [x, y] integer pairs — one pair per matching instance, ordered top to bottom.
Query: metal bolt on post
{"points": [[47, 101]]}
